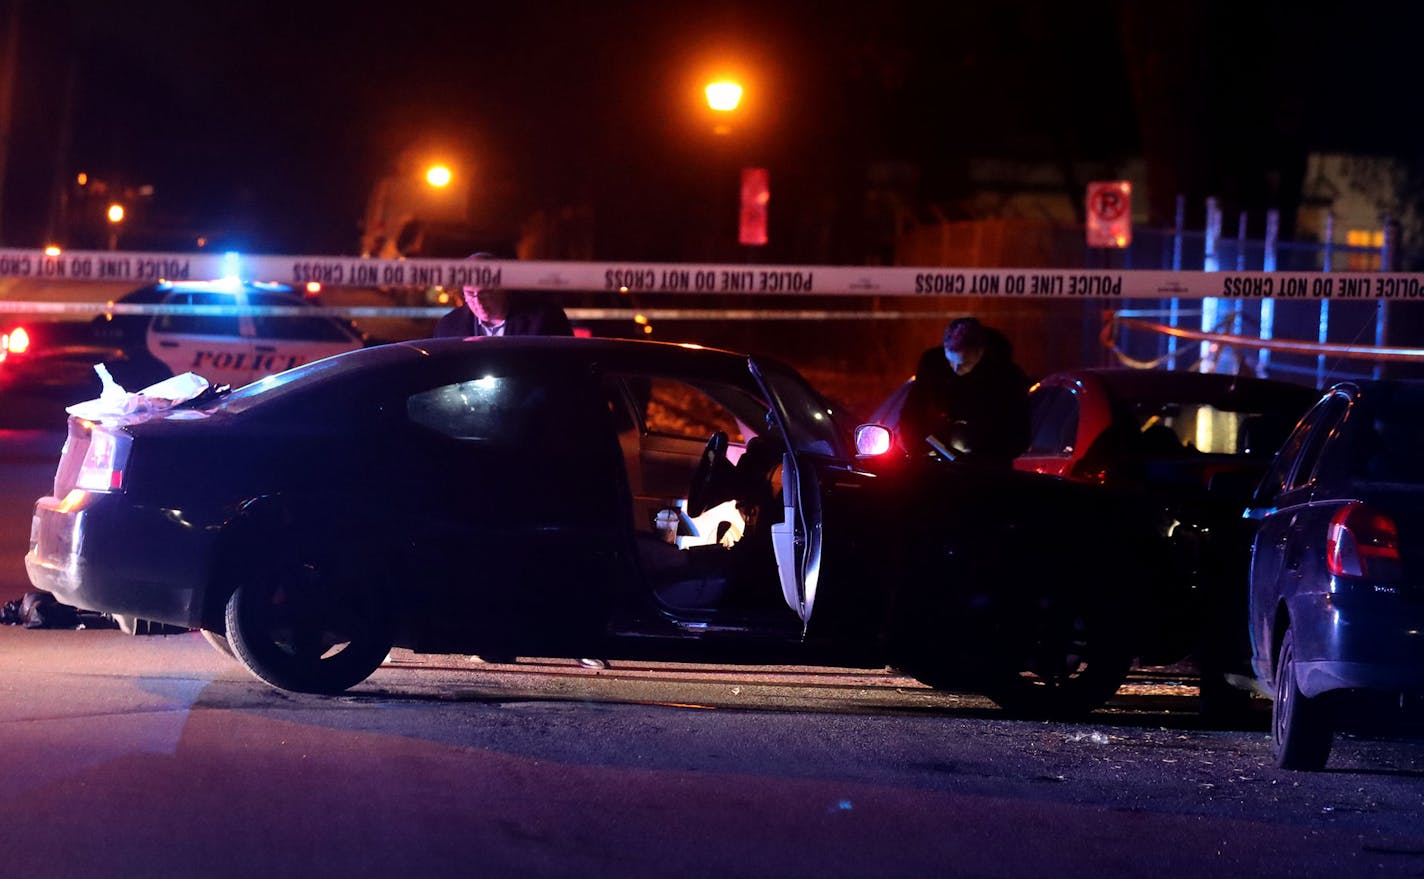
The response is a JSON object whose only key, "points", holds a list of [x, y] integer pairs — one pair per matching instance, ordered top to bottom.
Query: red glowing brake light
{"points": [[17, 341], [104, 460], [1362, 542]]}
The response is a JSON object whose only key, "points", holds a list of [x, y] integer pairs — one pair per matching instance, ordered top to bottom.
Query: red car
{"points": [[1156, 427], [1193, 445]]}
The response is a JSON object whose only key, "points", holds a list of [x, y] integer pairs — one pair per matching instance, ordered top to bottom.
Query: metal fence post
{"points": [[1211, 262], [1386, 264], [1174, 305], [1268, 305], [1323, 333]]}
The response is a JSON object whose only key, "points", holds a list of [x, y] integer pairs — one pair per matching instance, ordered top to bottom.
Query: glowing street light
{"points": [[723, 96], [438, 176], [116, 218]]}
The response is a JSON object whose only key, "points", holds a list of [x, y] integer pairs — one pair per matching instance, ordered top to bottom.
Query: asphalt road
{"points": [[149, 756], [155, 756]]}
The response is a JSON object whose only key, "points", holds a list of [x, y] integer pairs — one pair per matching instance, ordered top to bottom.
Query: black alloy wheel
{"points": [[299, 629], [1056, 662], [1301, 732]]}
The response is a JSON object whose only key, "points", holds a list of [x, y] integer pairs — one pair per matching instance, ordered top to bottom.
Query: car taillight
{"points": [[17, 341], [104, 460], [1362, 542]]}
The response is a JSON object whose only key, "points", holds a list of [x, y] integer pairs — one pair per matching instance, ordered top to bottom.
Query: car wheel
{"points": [[296, 629], [219, 643], [1055, 663], [1301, 733]]}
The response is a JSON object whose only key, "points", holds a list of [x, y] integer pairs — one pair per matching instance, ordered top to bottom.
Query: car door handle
{"points": [[168, 344], [265, 349]]}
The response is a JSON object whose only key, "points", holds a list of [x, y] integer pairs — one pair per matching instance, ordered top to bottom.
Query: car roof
{"points": [[156, 293], [558, 352], [1221, 390]]}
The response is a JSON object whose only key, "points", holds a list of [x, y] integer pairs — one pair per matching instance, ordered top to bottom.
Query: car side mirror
{"points": [[873, 440]]}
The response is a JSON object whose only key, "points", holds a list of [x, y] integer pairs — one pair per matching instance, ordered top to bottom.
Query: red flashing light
{"points": [[756, 194], [18, 341], [1362, 542]]}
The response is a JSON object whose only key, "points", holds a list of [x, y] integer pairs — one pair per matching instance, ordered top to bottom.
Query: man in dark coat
{"points": [[497, 312], [969, 394]]}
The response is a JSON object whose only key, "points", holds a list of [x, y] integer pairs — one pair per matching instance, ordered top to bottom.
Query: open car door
{"points": [[796, 539]]}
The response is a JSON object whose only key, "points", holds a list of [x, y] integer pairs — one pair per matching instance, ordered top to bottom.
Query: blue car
{"points": [[1337, 569]]}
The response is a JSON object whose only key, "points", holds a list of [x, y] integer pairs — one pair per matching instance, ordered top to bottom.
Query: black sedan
{"points": [[581, 497], [1337, 573]]}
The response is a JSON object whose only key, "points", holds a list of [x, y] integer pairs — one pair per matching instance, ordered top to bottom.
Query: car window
{"points": [[198, 324], [305, 327], [675, 408], [522, 411], [1053, 414], [1331, 415], [812, 424], [1295, 463]]}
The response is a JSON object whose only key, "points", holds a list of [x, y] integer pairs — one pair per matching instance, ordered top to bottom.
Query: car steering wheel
{"points": [[711, 469]]}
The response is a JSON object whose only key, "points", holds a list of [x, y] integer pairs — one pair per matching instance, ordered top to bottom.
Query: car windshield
{"points": [[274, 387], [811, 422], [1205, 428]]}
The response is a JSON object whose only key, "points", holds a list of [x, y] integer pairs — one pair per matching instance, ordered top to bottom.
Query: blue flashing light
{"points": [[230, 273]]}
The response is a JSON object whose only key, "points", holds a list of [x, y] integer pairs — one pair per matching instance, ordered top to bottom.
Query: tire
{"points": [[297, 628], [219, 643], [1055, 663], [1301, 732]]}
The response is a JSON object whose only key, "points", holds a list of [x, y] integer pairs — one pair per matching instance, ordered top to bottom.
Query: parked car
{"points": [[57, 357], [1192, 444], [531, 496], [1337, 569]]}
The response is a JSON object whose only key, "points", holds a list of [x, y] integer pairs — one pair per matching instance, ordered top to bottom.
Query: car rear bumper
{"points": [[95, 553], [1353, 641]]}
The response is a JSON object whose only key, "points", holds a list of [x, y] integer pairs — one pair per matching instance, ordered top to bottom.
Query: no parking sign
{"points": [[1110, 213]]}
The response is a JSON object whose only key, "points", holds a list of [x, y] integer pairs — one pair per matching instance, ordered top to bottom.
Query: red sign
{"points": [[756, 193], [1110, 214]]}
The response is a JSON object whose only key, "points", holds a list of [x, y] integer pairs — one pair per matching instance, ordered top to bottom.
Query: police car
{"points": [[230, 345]]}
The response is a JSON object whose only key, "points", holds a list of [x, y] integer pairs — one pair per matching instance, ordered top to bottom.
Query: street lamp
{"points": [[723, 97], [438, 176], [115, 215]]}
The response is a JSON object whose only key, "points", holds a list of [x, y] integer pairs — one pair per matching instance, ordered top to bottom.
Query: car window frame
{"points": [[1304, 445]]}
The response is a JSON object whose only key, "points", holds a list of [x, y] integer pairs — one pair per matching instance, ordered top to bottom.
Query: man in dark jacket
{"points": [[498, 312], [970, 395]]}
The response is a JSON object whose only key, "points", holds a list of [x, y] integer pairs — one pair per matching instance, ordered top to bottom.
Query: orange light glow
{"points": [[723, 96], [438, 176], [116, 213], [52, 250], [19, 341]]}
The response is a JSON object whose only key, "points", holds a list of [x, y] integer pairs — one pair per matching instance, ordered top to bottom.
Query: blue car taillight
{"points": [[1362, 542]]}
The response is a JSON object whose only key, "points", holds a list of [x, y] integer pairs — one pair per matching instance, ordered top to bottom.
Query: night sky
{"points": [[269, 122]]}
